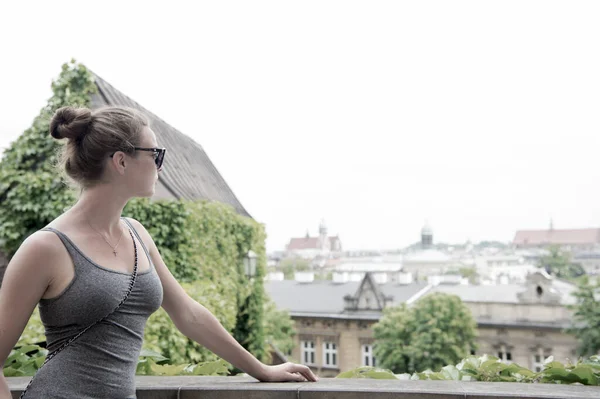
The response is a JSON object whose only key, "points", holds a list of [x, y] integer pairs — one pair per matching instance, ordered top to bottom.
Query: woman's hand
{"points": [[288, 372]]}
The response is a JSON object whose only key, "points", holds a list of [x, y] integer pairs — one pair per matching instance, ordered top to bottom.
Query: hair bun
{"points": [[70, 123]]}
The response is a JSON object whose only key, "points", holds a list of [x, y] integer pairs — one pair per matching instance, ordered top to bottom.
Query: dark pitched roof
{"points": [[188, 172], [326, 298]]}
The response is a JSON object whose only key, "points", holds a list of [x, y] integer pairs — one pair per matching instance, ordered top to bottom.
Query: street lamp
{"points": [[250, 264]]}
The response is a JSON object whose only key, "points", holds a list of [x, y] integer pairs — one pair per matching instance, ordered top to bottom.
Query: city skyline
{"points": [[479, 117]]}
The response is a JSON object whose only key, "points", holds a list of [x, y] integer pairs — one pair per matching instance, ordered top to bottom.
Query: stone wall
{"points": [[327, 388]]}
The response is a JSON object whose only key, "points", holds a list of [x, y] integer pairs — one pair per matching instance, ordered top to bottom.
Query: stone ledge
{"points": [[330, 388]]}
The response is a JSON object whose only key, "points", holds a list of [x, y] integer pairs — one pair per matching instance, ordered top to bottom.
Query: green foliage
{"points": [[32, 193], [168, 224], [205, 243], [558, 263], [290, 265], [469, 273], [586, 317], [279, 328], [437, 330], [34, 333], [162, 336], [26, 360], [153, 363], [491, 369], [368, 372]]}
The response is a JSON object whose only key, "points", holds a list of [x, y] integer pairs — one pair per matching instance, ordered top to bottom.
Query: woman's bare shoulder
{"points": [[42, 244]]}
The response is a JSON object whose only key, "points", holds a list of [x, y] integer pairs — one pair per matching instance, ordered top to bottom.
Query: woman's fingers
{"points": [[304, 371]]}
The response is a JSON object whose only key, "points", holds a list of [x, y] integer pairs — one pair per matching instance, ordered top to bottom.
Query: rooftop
{"points": [[188, 173]]}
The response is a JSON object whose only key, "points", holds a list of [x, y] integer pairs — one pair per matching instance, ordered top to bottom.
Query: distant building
{"points": [[568, 239], [323, 246], [426, 260], [590, 261], [504, 268], [384, 269], [334, 319], [522, 323]]}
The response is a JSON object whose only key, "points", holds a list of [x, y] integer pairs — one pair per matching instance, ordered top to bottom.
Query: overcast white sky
{"points": [[481, 117]]}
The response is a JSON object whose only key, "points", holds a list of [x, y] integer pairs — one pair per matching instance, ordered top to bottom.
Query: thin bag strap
{"points": [[80, 333]]}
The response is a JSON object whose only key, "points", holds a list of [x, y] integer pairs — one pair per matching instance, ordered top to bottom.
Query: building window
{"points": [[308, 352], [329, 354], [504, 354], [368, 358], [537, 360]]}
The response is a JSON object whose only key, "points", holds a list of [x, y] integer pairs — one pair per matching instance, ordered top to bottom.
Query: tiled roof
{"points": [[188, 172], [558, 237], [308, 243]]}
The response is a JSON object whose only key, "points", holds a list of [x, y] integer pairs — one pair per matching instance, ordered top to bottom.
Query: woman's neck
{"points": [[100, 206]]}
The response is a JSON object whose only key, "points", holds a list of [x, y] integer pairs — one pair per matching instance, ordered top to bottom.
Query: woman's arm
{"points": [[27, 277], [199, 324]]}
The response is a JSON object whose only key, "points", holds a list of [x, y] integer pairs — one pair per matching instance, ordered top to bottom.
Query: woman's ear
{"points": [[119, 162]]}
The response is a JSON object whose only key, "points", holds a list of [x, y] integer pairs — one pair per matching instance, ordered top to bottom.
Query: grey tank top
{"points": [[102, 362]]}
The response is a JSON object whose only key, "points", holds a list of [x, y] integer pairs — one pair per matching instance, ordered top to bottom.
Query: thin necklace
{"points": [[114, 248]]}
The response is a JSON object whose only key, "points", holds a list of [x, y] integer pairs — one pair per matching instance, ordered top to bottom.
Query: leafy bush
{"points": [[279, 328], [162, 336], [26, 360], [152, 363], [491, 369]]}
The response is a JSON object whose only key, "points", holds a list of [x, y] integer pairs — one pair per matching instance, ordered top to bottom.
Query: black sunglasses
{"points": [[159, 155]]}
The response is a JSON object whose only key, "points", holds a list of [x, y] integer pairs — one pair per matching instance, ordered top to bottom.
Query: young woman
{"points": [[81, 268]]}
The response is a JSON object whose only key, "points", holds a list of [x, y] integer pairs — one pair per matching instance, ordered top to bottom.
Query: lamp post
{"points": [[250, 264]]}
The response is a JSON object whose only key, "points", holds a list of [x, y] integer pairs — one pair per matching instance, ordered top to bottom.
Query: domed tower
{"points": [[426, 236]]}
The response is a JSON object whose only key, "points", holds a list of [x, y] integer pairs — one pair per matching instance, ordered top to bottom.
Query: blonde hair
{"points": [[94, 135]]}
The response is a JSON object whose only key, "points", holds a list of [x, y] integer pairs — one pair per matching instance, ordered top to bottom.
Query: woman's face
{"points": [[143, 173]]}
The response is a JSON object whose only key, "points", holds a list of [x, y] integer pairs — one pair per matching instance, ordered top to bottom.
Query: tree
{"points": [[31, 192], [558, 263], [290, 265], [470, 273], [586, 318], [278, 328], [437, 331]]}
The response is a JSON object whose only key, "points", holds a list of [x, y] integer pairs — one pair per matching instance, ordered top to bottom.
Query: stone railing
{"points": [[330, 388]]}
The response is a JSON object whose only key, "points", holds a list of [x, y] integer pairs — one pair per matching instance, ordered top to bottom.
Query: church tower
{"points": [[426, 236], [323, 238]]}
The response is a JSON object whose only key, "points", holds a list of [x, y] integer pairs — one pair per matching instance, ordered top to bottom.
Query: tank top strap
{"points": [[139, 239], [72, 249]]}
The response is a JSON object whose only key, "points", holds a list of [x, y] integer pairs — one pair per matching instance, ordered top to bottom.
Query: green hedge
{"points": [[491, 369]]}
